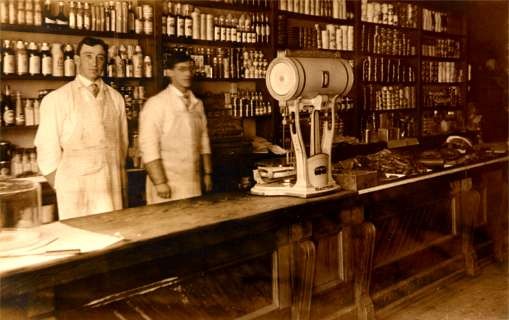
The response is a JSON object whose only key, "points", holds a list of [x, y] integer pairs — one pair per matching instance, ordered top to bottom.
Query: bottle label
{"points": [[171, 26], [22, 62], [9, 64], [34, 65], [47, 65], [58, 66], [69, 69], [9, 117]]}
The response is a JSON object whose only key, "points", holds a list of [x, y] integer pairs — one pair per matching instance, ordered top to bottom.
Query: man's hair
{"points": [[89, 41], [178, 57]]}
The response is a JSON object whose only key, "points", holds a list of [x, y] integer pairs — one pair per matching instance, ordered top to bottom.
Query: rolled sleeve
{"points": [[150, 131], [47, 138], [205, 141]]}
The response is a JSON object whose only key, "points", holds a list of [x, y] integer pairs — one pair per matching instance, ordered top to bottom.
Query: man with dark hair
{"points": [[82, 138], [174, 139]]}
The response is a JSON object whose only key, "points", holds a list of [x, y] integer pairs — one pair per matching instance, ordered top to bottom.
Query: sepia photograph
{"points": [[254, 159]]}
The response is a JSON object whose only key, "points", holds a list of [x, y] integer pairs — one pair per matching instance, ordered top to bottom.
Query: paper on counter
{"points": [[65, 238]]}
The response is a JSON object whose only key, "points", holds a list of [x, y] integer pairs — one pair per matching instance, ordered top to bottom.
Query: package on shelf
{"points": [[336, 9], [397, 14]]}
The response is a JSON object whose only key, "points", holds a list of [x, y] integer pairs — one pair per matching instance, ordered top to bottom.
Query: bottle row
{"points": [[264, 4], [336, 9], [396, 14], [109, 16], [182, 21], [437, 21], [328, 37], [379, 40], [443, 48], [57, 60], [128, 61], [224, 63], [387, 70], [442, 72], [388, 97], [450, 97], [134, 98], [245, 104], [19, 111], [439, 122], [388, 126], [23, 163]]}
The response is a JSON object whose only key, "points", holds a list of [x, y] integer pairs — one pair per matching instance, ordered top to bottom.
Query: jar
{"points": [[58, 60]]}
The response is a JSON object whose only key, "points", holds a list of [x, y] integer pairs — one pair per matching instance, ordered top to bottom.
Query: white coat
{"points": [[178, 136], [83, 138]]}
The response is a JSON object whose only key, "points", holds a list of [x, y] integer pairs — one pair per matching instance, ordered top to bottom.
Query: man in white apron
{"points": [[82, 138], [173, 138]]}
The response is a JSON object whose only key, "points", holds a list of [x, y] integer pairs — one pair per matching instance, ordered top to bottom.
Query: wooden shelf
{"points": [[227, 6], [321, 19], [390, 26], [69, 31], [442, 34], [171, 42], [392, 56], [445, 59], [40, 77], [228, 80], [389, 83], [443, 84], [395, 110], [17, 128]]}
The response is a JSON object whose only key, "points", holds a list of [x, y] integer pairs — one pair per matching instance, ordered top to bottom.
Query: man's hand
{"points": [[207, 182], [163, 190]]}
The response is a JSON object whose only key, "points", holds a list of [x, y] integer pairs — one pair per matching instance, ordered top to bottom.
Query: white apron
{"points": [[180, 153], [88, 177]]}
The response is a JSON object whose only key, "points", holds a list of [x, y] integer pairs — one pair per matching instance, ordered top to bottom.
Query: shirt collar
{"points": [[86, 82], [179, 93]]}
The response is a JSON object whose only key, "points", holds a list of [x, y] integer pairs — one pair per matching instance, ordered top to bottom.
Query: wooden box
{"points": [[357, 179]]}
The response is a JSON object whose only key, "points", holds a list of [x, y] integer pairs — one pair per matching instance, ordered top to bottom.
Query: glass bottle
{"points": [[4, 11], [29, 12], [37, 14], [72, 15], [49, 18], [87, 19], [170, 21], [180, 21], [188, 22], [8, 58], [21, 58], [34, 59], [46, 60], [58, 60], [138, 62], [69, 66], [147, 67], [20, 112], [29, 113], [8, 114]]}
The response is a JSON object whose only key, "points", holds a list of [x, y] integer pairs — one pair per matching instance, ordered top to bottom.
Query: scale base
{"points": [[282, 189]]}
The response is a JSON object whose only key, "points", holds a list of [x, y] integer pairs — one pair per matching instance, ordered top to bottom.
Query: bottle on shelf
{"points": [[4, 12], [49, 18], [38, 21], [57, 55], [8, 58], [21, 58], [46, 60], [69, 65], [20, 112], [8, 113], [29, 113]]}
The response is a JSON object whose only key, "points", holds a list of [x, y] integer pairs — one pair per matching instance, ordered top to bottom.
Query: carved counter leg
{"points": [[468, 201], [364, 246], [303, 261]]}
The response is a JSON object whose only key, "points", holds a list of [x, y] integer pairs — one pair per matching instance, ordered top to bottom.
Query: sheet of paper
{"points": [[55, 238]]}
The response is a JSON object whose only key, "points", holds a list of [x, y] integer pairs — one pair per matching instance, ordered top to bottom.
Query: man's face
{"points": [[91, 61], [182, 74]]}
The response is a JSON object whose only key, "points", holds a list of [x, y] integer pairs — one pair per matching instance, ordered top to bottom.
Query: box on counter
{"points": [[354, 180]]}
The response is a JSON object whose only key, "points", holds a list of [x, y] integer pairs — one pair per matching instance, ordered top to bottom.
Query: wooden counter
{"points": [[250, 256]]}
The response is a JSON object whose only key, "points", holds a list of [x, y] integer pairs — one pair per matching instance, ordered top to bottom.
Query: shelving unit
{"points": [[400, 47]]}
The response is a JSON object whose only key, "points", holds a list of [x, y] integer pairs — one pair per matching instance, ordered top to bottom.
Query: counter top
{"points": [[161, 230]]}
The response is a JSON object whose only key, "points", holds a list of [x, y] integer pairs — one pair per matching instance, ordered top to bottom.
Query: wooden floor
{"points": [[485, 297]]}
